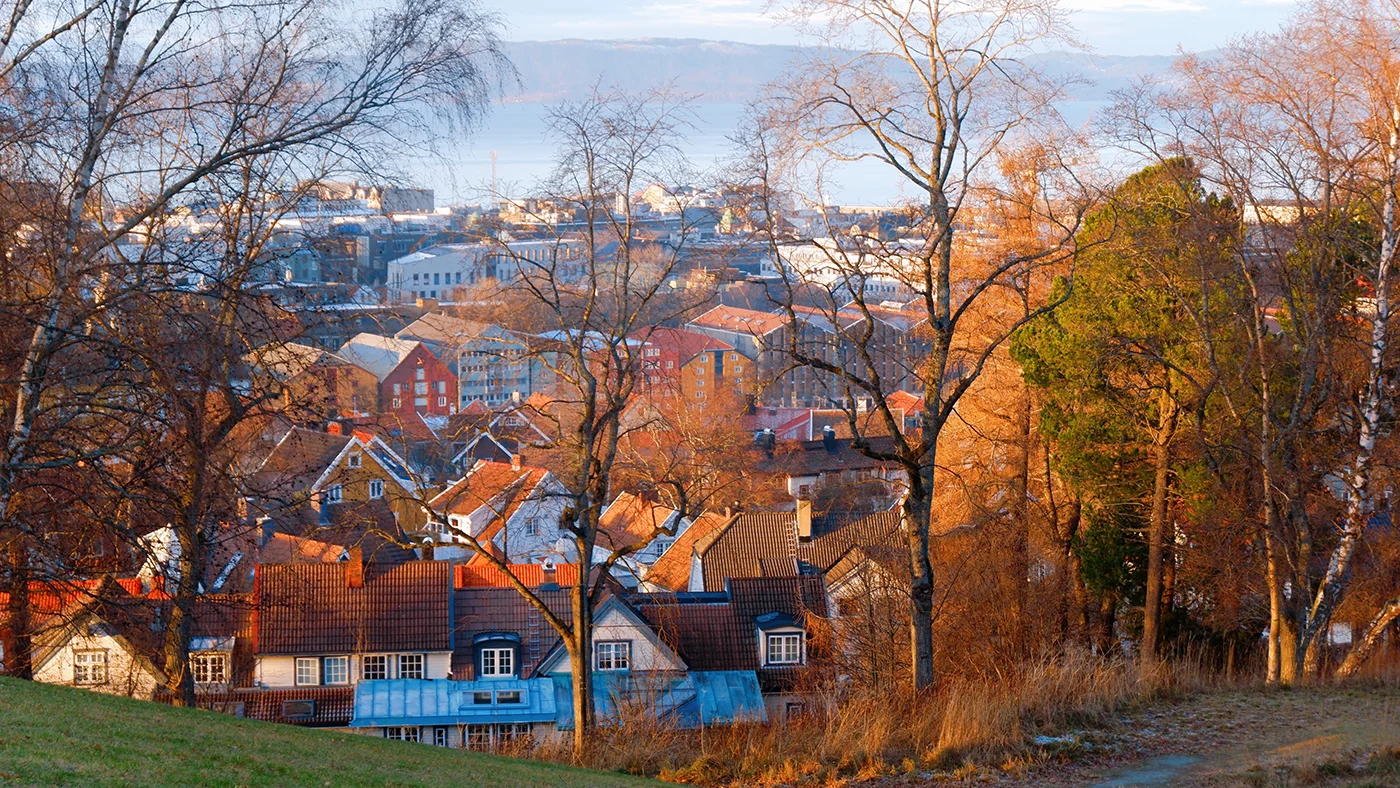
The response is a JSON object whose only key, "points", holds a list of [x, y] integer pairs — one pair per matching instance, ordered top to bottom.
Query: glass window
{"points": [[419, 373], [442, 386], [398, 389], [442, 402], [397, 403], [353, 460], [376, 489], [333, 494], [531, 526], [784, 649], [613, 655], [498, 661], [375, 666], [410, 666], [90, 667], [209, 668], [308, 670], [336, 670], [508, 696], [481, 698], [508, 733], [402, 734], [440, 736], [479, 737]]}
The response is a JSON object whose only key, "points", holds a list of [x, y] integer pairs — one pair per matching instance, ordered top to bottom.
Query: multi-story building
{"points": [[437, 271], [766, 341], [494, 366], [411, 379]]}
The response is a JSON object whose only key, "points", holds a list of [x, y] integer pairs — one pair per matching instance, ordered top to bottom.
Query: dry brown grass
{"points": [[963, 726]]}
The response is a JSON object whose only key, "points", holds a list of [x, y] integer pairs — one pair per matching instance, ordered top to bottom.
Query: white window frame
{"points": [[355, 460], [376, 489], [333, 494], [785, 641], [618, 655], [407, 659], [381, 660], [498, 662], [90, 667], [209, 667], [341, 668], [311, 675], [404, 733], [440, 736]]}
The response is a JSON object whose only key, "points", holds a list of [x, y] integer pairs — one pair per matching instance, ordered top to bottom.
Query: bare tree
{"points": [[933, 91], [126, 106], [591, 302]]}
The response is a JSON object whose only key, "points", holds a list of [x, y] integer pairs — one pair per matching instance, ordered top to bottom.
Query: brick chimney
{"points": [[333, 428], [829, 439], [516, 461], [355, 569], [549, 577]]}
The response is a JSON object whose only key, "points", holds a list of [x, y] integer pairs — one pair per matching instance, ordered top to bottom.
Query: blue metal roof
{"points": [[690, 700], [395, 702]]}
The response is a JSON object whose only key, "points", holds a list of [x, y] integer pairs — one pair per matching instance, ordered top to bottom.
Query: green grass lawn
{"points": [[62, 736]]}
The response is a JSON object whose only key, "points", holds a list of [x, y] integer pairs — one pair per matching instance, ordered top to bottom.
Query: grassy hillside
{"points": [[61, 736]]}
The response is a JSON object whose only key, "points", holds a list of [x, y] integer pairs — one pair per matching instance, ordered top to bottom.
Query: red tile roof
{"points": [[764, 545], [288, 549], [315, 609], [332, 707]]}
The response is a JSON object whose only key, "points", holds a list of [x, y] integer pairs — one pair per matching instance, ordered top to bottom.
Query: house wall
{"points": [[324, 391], [438, 395], [354, 487], [523, 549], [614, 625], [280, 671], [126, 675]]}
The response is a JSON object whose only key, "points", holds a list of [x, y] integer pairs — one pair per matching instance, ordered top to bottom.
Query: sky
{"points": [[1109, 27]]}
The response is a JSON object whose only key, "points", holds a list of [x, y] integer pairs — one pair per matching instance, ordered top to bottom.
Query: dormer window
{"points": [[782, 641], [785, 649], [497, 655], [613, 655], [497, 662]]}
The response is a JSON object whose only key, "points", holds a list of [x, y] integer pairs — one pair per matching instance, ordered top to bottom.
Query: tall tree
{"points": [[932, 92], [1119, 364]]}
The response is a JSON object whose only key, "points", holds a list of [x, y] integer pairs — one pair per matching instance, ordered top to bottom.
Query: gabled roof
{"points": [[743, 321], [442, 329], [686, 344], [378, 354], [285, 360], [814, 457], [298, 460], [499, 486], [631, 519], [765, 545], [287, 549], [672, 569], [317, 609], [137, 623]]}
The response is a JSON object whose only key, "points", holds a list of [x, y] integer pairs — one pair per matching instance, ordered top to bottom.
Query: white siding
{"points": [[614, 625], [125, 675]]}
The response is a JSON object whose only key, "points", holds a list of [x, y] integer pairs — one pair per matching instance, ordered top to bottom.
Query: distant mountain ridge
{"points": [[726, 72]]}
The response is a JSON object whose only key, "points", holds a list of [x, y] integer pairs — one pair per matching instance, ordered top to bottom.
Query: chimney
{"points": [[333, 428], [829, 439], [515, 462], [804, 520], [355, 569], [550, 578]]}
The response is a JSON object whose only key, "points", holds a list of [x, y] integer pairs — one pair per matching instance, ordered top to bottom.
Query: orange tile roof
{"points": [[745, 321], [499, 485], [631, 519], [286, 549], [672, 569], [482, 575]]}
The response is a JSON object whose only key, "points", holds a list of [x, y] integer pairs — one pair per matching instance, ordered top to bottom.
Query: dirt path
{"points": [[1282, 738]]}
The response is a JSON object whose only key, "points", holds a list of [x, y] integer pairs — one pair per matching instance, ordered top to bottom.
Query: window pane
{"points": [[410, 666], [375, 667], [308, 670], [337, 670]]}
